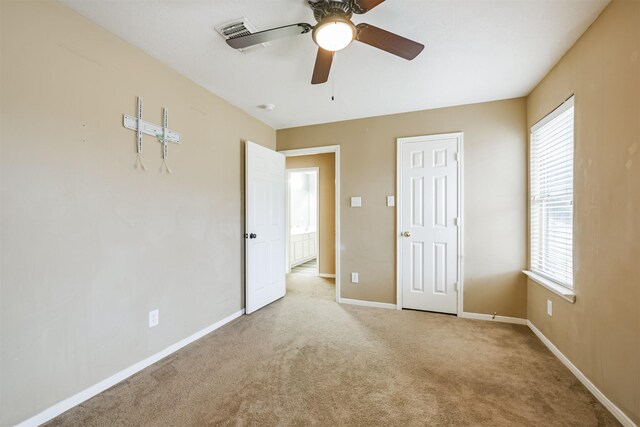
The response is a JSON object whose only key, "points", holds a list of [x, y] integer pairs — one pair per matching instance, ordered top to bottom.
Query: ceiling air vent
{"points": [[238, 28]]}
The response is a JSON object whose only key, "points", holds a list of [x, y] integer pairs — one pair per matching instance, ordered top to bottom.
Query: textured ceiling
{"points": [[476, 51]]}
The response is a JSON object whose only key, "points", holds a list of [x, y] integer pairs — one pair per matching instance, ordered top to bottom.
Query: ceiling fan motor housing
{"points": [[326, 8]]}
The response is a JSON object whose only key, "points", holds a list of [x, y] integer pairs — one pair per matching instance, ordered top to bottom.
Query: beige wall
{"points": [[494, 203], [327, 204], [90, 244], [600, 333]]}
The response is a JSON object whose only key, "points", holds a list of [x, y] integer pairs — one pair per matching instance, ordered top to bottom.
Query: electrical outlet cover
{"points": [[154, 318]]}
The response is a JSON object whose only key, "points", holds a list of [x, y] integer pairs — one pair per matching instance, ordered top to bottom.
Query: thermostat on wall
{"points": [[356, 202]]}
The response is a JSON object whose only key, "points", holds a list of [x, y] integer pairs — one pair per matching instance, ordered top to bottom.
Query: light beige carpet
{"points": [[309, 267], [306, 360]]}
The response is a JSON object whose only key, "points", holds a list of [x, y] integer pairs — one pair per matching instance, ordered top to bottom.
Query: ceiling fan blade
{"points": [[363, 6], [269, 35], [389, 42], [322, 67]]}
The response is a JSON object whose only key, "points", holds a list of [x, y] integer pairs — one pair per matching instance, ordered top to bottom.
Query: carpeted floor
{"points": [[309, 267], [305, 360]]}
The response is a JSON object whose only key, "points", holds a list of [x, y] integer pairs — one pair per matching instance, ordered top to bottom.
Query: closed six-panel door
{"points": [[428, 224]]}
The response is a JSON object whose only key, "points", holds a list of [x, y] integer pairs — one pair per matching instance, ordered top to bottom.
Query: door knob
{"points": [[406, 234], [252, 236]]}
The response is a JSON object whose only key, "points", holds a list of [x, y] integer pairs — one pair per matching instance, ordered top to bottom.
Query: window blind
{"points": [[551, 208]]}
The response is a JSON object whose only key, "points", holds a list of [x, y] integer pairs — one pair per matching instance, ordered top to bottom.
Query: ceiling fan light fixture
{"points": [[334, 33]]}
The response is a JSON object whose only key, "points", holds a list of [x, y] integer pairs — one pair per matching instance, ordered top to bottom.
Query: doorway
{"points": [[303, 221], [429, 223], [327, 232]]}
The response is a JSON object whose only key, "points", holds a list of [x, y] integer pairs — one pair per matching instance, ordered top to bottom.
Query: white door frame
{"points": [[400, 142], [322, 150], [288, 215]]}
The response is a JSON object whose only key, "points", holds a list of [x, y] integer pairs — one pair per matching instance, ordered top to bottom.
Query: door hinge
{"points": [[456, 156], [456, 221], [457, 286]]}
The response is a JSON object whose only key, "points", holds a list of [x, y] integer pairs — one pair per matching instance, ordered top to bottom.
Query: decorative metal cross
{"points": [[163, 134], [164, 141]]}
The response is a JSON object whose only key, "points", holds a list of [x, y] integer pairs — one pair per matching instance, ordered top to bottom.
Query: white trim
{"points": [[568, 103], [562, 108], [322, 150], [310, 151], [460, 161], [398, 225], [287, 227], [287, 230], [327, 276], [460, 286], [562, 291], [363, 303], [491, 318], [86, 394], [617, 412]]}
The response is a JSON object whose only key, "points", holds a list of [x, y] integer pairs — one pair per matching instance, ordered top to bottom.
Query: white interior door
{"points": [[428, 223], [264, 226]]}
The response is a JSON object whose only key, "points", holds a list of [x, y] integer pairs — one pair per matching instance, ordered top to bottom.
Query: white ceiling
{"points": [[476, 51]]}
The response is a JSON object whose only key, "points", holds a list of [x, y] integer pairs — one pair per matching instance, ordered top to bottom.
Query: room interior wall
{"points": [[494, 198], [327, 205], [89, 243], [600, 333]]}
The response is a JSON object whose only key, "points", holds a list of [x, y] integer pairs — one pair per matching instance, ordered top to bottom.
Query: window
{"points": [[551, 208]]}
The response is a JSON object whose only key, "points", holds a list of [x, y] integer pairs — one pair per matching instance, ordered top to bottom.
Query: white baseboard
{"points": [[302, 261], [327, 276], [367, 303], [489, 317], [78, 398], [63, 406], [617, 412]]}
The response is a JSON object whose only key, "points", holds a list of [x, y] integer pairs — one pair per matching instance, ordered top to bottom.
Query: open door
{"points": [[264, 226]]}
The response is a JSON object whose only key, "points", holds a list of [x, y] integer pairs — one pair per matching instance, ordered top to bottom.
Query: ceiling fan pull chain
{"points": [[333, 80], [333, 89]]}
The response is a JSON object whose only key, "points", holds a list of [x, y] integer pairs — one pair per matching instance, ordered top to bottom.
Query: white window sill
{"points": [[559, 290]]}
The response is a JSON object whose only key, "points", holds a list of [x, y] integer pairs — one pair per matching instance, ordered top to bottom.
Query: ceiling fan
{"points": [[335, 31]]}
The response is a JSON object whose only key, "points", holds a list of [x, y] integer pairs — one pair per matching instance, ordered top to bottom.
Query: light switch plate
{"points": [[391, 201], [356, 202], [354, 277], [549, 307], [154, 318]]}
